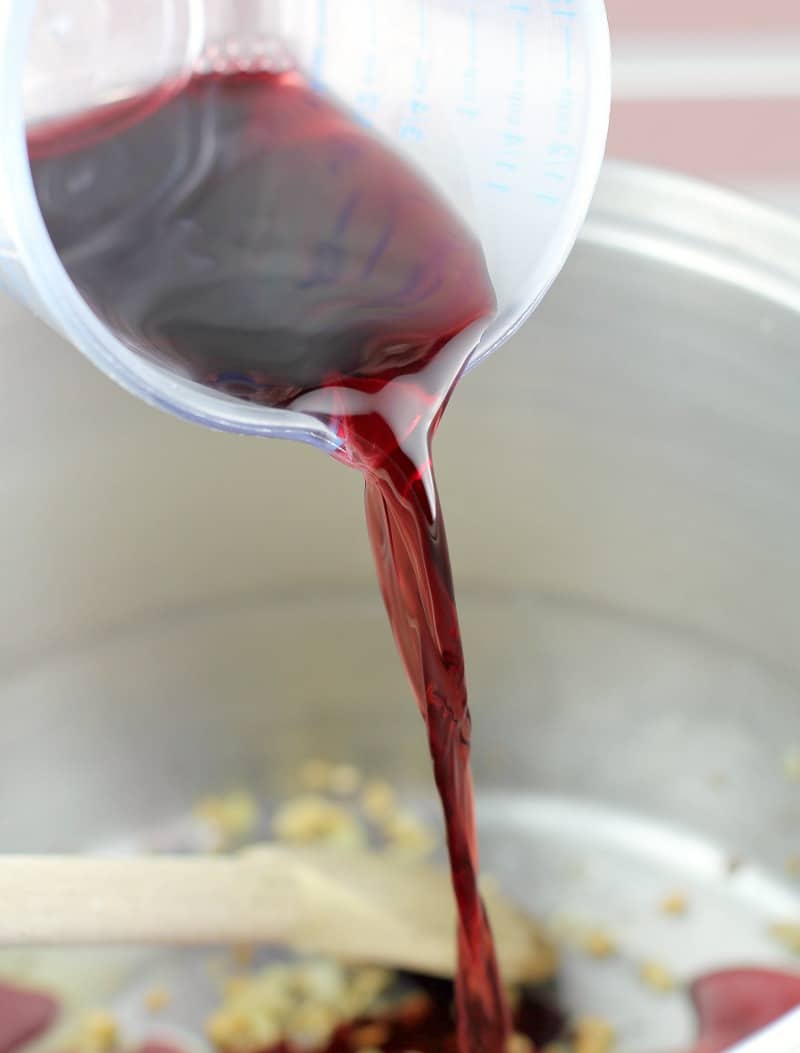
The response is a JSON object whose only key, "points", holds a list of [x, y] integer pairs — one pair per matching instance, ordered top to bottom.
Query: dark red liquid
{"points": [[250, 234], [734, 1004], [25, 1015], [424, 1022]]}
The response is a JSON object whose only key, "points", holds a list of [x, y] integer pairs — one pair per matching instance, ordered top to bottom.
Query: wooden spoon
{"points": [[352, 905]]}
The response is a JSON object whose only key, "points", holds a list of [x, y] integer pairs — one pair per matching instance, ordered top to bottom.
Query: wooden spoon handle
{"points": [[172, 900], [355, 906]]}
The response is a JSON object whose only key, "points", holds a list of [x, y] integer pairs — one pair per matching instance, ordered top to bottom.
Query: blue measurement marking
{"points": [[562, 9], [473, 33], [522, 45], [319, 51], [568, 51], [368, 98], [365, 103], [469, 104], [412, 129], [412, 133], [511, 151], [560, 155]]}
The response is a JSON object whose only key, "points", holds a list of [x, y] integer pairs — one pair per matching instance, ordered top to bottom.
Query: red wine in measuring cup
{"points": [[250, 234]]}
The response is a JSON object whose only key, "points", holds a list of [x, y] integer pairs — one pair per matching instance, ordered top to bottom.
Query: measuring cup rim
{"points": [[65, 308]]}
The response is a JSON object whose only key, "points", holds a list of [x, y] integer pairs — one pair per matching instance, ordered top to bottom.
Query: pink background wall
{"points": [[703, 15], [745, 131], [735, 141]]}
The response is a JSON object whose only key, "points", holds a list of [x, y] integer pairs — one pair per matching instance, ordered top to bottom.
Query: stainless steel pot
{"points": [[184, 611]]}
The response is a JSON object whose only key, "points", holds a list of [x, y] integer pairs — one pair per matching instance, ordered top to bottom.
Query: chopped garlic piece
{"points": [[791, 763], [378, 800], [232, 817], [310, 818], [407, 834], [675, 904], [787, 933], [598, 943], [657, 977], [156, 999], [301, 1004], [311, 1025], [99, 1032], [241, 1032], [593, 1034], [518, 1043]]}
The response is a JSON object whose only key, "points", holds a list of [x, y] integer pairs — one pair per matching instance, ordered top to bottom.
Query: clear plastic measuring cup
{"points": [[503, 104]]}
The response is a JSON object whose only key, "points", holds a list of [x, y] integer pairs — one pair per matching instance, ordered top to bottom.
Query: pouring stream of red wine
{"points": [[250, 234]]}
